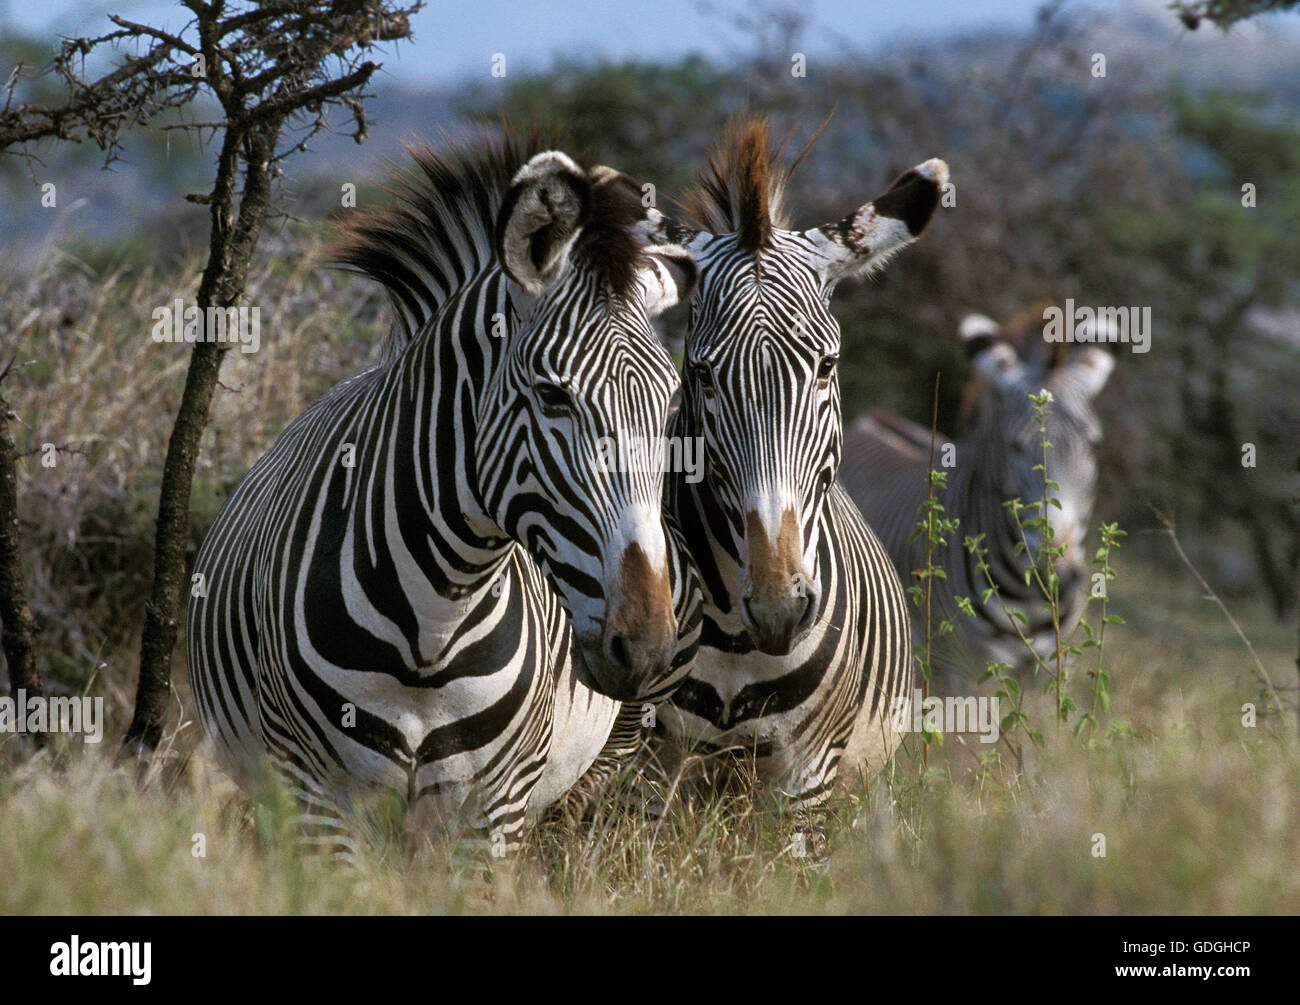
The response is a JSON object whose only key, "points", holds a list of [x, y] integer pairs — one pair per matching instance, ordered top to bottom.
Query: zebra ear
{"points": [[544, 211], [658, 228], [866, 238], [673, 274], [978, 332], [992, 355], [1089, 367]]}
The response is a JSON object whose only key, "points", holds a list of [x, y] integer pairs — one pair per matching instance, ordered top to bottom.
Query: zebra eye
{"points": [[826, 368], [703, 376], [554, 399]]}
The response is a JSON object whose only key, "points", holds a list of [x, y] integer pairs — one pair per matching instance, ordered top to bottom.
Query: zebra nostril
{"points": [[809, 612], [616, 652]]}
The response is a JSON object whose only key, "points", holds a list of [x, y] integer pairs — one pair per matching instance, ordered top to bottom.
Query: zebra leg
{"points": [[619, 752], [322, 817], [808, 832]]}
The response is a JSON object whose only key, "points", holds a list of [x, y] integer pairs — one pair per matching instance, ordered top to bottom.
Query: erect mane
{"points": [[743, 188], [438, 232], [609, 244], [1025, 332]]}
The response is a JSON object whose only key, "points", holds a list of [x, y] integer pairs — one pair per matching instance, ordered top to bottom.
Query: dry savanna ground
{"points": [[1199, 812]]}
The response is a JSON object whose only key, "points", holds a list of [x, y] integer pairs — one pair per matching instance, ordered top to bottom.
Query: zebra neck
{"points": [[976, 498], [418, 549]]}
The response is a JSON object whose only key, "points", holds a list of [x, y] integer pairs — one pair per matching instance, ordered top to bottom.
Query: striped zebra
{"points": [[886, 460], [431, 583], [805, 653]]}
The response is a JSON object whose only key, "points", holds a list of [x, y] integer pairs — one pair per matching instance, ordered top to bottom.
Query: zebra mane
{"points": [[743, 188], [439, 231], [1025, 332]]}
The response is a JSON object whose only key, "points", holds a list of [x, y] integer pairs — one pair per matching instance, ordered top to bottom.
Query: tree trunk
{"points": [[229, 254], [163, 610], [18, 623]]}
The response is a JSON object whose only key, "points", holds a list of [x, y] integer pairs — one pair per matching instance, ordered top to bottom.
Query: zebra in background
{"points": [[887, 460], [430, 582], [805, 651]]}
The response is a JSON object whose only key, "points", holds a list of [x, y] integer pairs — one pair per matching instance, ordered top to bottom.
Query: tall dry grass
{"points": [[95, 385]]}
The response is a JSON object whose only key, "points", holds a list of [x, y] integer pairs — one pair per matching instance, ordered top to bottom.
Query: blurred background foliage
{"points": [[1123, 190]]}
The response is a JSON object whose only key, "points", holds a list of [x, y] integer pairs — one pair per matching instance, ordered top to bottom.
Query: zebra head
{"points": [[1013, 362], [760, 380], [572, 414]]}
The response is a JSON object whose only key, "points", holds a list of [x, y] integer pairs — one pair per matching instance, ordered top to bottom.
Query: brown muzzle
{"points": [[778, 598], [639, 637]]}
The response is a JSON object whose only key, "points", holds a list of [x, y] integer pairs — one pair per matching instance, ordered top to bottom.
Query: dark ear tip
{"points": [[915, 195], [912, 199], [982, 342]]}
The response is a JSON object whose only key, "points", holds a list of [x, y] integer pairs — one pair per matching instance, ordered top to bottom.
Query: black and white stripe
{"points": [[456, 613], [805, 652]]}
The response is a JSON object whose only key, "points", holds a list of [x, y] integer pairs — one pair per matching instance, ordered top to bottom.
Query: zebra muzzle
{"points": [[778, 599], [777, 625], [637, 642], [626, 665]]}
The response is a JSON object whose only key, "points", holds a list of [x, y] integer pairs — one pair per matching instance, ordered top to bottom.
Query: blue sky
{"points": [[455, 38]]}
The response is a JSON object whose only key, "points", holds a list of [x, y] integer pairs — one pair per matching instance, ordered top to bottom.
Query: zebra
{"points": [[887, 460], [429, 583], [805, 653]]}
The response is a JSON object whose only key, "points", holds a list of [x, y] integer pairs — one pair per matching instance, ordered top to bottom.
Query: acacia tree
{"points": [[1226, 13], [274, 70]]}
